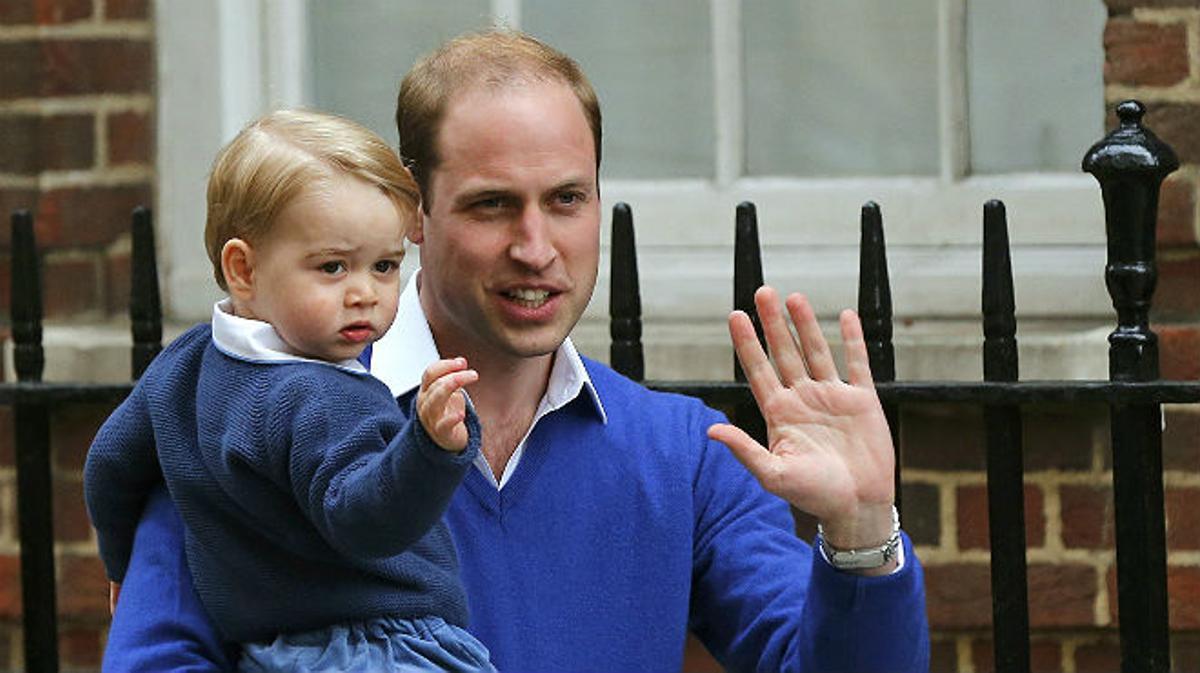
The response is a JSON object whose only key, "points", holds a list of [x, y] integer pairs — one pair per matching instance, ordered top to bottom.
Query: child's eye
{"points": [[386, 265], [332, 267]]}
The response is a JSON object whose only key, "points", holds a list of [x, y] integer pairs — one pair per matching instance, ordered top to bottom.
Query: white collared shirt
{"points": [[257, 341], [402, 354]]}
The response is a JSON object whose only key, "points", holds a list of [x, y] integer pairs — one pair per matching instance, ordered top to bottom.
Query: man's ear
{"points": [[417, 233], [237, 264]]}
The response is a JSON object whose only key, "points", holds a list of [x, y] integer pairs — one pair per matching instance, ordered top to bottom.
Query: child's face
{"points": [[327, 274]]}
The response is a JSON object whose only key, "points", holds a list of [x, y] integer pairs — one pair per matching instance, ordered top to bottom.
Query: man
{"points": [[604, 521]]}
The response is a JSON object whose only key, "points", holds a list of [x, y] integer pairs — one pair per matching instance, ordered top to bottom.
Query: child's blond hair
{"points": [[277, 156]]}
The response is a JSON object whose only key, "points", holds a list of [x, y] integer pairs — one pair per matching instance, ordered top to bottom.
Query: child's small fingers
{"points": [[440, 368]]}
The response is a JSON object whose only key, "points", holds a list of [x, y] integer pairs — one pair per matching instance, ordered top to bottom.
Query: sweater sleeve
{"points": [[121, 468], [375, 485], [764, 601], [160, 624]]}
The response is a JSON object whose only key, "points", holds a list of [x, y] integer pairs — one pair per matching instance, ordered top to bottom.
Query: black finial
{"points": [[1130, 148]]}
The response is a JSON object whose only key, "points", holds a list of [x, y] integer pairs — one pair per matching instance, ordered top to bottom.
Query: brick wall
{"points": [[1153, 54], [76, 128], [76, 147]]}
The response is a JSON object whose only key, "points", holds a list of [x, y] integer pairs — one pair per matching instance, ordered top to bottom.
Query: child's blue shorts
{"points": [[372, 646]]}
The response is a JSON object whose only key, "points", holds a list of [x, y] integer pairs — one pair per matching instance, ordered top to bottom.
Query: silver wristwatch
{"points": [[866, 558]]}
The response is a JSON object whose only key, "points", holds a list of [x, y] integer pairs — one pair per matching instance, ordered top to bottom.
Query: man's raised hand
{"points": [[829, 449]]}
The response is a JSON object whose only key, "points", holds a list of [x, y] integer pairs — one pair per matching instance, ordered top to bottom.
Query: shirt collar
{"points": [[257, 341], [402, 354]]}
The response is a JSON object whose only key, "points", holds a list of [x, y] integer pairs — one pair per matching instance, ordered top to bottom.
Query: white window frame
{"points": [[224, 62]]}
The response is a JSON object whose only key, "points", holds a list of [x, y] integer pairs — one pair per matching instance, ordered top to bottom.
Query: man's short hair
{"points": [[493, 58], [271, 161]]}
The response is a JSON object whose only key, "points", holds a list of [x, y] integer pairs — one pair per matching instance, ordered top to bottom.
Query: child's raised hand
{"points": [[440, 410]]}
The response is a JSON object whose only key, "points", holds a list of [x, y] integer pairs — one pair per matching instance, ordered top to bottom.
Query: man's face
{"points": [[510, 245]]}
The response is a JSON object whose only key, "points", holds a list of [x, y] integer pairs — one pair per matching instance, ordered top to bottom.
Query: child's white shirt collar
{"points": [[257, 341]]}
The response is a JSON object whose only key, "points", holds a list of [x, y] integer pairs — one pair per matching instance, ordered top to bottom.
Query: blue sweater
{"points": [[309, 499], [609, 542]]}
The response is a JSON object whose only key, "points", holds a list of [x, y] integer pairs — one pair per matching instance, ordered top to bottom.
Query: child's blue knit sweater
{"points": [[309, 499]]}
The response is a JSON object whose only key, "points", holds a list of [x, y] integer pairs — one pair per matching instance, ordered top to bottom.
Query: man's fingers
{"points": [[816, 348], [787, 356], [858, 364], [759, 372], [750, 453], [114, 592]]}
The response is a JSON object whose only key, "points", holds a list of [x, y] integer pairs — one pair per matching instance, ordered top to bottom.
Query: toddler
{"points": [[313, 503]]}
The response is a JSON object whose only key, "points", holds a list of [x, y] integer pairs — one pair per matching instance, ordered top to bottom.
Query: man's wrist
{"points": [[863, 558]]}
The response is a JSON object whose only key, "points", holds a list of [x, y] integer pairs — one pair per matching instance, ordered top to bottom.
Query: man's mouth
{"points": [[527, 297]]}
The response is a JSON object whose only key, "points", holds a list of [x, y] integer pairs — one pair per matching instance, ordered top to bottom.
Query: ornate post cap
{"points": [[1130, 149]]}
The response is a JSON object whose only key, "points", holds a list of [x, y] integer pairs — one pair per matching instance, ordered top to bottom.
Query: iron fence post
{"points": [[1130, 164]]}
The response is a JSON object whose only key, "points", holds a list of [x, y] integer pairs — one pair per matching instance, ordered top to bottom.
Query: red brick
{"points": [[127, 9], [61, 11], [13, 13], [1144, 54], [75, 67], [20, 69], [1177, 124], [130, 138], [1177, 213], [87, 215], [117, 276], [71, 285], [1178, 294], [1179, 351], [72, 428], [942, 437], [1061, 437], [1181, 439], [971, 512], [1087, 516], [1183, 517], [922, 518], [71, 523], [10, 586], [82, 587], [958, 595], [1062, 595], [1183, 596], [80, 646], [1185, 652], [943, 655], [1045, 656], [1100, 656]]}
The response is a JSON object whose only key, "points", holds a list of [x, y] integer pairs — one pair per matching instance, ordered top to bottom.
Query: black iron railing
{"points": [[1130, 165]]}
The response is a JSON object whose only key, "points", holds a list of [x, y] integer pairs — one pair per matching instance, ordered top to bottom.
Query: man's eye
{"points": [[569, 198], [494, 203], [386, 265], [332, 267]]}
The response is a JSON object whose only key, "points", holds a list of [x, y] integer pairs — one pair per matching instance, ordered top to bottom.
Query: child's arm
{"points": [[121, 468], [373, 481]]}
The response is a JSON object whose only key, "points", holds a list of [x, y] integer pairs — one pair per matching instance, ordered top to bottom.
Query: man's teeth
{"points": [[528, 297]]}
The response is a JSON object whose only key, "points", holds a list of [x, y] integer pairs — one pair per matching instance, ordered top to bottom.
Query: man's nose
{"points": [[532, 243]]}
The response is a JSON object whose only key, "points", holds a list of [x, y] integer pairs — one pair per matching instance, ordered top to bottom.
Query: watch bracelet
{"points": [[856, 559]]}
